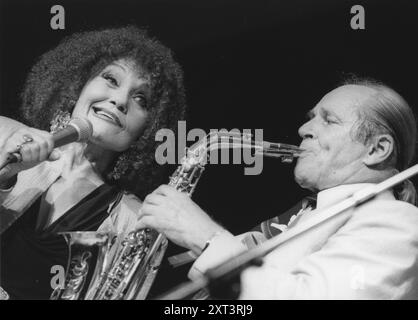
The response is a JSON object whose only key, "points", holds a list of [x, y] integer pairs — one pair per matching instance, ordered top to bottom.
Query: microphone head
{"points": [[83, 127]]}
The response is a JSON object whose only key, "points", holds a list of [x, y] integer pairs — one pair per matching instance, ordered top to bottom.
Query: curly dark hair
{"points": [[56, 80]]}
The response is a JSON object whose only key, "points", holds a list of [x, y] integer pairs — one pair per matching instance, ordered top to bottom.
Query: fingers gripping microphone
{"points": [[77, 130]]}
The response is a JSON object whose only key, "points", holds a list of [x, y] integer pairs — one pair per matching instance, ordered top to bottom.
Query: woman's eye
{"points": [[110, 78], [141, 100]]}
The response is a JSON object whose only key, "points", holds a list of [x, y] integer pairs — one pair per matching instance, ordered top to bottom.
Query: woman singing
{"points": [[128, 86]]}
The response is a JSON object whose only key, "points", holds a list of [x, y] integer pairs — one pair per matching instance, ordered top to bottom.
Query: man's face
{"points": [[332, 156]]}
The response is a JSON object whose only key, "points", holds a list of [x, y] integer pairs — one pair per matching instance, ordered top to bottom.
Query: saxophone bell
{"points": [[87, 254]]}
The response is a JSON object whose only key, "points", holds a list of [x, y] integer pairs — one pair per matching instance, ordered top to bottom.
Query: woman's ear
{"points": [[379, 150]]}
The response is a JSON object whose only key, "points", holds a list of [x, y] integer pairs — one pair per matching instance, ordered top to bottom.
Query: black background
{"points": [[248, 64]]}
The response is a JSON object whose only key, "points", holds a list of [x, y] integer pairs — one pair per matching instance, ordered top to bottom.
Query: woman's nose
{"points": [[121, 102], [122, 108]]}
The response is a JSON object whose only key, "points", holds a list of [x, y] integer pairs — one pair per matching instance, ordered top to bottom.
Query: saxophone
{"points": [[124, 269]]}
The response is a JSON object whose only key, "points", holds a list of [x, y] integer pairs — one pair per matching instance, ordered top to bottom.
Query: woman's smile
{"points": [[107, 116]]}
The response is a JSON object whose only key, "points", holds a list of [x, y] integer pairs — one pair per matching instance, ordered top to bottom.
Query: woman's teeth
{"points": [[106, 116]]}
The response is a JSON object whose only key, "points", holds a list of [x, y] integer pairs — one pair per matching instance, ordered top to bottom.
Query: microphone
{"points": [[77, 130]]}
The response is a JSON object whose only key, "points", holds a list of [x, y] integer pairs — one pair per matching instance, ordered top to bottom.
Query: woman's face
{"points": [[115, 102]]}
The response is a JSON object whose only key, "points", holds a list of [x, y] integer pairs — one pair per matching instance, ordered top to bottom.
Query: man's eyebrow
{"points": [[325, 112]]}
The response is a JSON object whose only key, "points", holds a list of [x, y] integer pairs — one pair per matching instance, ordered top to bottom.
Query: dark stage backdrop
{"points": [[248, 64]]}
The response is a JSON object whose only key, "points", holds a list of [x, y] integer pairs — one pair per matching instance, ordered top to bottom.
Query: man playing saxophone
{"points": [[360, 133]]}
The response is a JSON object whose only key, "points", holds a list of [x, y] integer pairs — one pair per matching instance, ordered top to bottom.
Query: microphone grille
{"points": [[84, 128]]}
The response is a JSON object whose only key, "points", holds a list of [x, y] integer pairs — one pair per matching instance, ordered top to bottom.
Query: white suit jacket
{"points": [[370, 253]]}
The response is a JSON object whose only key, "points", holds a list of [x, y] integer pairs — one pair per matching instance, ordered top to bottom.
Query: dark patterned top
{"points": [[28, 251]]}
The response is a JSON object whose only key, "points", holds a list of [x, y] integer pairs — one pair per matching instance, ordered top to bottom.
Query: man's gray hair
{"points": [[388, 113]]}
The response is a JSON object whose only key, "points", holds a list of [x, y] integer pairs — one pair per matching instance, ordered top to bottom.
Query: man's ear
{"points": [[379, 150]]}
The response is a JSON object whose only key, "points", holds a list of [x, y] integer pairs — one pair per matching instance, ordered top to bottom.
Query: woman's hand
{"points": [[33, 147], [176, 216]]}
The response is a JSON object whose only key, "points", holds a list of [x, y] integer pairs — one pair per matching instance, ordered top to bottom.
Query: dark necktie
{"points": [[268, 228]]}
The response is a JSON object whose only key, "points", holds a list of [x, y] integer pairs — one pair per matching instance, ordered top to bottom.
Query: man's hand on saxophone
{"points": [[180, 219]]}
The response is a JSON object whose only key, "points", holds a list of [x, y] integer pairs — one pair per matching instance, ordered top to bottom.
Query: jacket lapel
{"points": [[30, 184]]}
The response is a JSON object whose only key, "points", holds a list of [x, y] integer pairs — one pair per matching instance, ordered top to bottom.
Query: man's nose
{"points": [[306, 130]]}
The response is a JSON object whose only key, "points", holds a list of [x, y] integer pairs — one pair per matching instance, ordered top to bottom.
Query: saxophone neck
{"points": [[197, 155]]}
